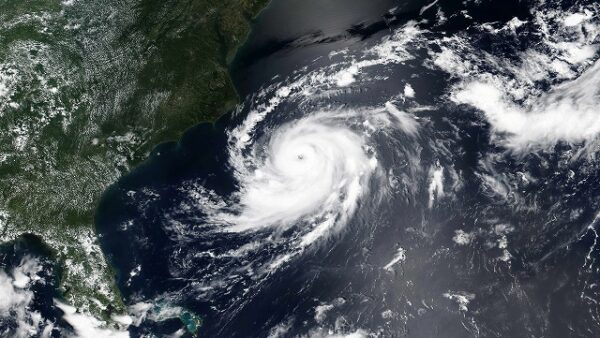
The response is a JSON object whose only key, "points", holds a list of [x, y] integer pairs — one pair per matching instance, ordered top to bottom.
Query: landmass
{"points": [[87, 90]]}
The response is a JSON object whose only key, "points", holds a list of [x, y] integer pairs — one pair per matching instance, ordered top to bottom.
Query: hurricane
{"points": [[310, 169], [433, 171], [298, 184]]}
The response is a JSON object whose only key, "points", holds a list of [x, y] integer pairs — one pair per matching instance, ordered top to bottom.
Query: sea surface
{"points": [[450, 235]]}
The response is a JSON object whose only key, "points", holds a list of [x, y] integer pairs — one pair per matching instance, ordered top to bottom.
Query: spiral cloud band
{"points": [[311, 171]]}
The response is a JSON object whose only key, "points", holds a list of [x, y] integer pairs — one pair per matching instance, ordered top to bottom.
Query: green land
{"points": [[87, 89]]}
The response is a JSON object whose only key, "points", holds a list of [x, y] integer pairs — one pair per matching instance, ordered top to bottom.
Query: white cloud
{"points": [[426, 7], [576, 19], [346, 76], [409, 91], [545, 93], [568, 112], [405, 122], [313, 168], [436, 185], [462, 238], [399, 257], [16, 298], [461, 298], [321, 312], [86, 326], [280, 330], [325, 333]]}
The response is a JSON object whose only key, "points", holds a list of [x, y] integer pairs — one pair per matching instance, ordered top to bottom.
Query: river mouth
{"points": [[365, 186]]}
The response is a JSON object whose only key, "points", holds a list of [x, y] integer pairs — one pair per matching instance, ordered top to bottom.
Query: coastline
{"points": [[127, 77], [172, 143]]}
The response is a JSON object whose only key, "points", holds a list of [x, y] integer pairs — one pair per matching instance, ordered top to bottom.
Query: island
{"points": [[87, 90]]}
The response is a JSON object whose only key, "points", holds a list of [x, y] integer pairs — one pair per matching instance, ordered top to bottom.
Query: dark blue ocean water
{"points": [[289, 35], [23, 250], [549, 288], [535, 295]]}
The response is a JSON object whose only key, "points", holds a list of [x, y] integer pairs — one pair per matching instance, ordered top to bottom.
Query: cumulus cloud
{"points": [[545, 92], [568, 112], [436, 184], [16, 298], [16, 301], [86, 326], [325, 333]]}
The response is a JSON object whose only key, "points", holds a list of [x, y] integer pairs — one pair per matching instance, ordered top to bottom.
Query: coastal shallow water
{"points": [[441, 219]]}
